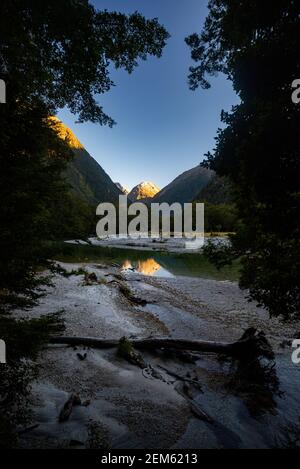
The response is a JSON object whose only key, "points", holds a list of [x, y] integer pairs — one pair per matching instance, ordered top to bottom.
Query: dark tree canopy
{"points": [[256, 45], [61, 51], [53, 54]]}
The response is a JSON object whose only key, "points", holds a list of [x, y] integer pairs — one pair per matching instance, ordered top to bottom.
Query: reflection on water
{"points": [[169, 265], [149, 267]]}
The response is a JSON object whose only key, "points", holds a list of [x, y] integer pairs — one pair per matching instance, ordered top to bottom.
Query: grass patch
{"points": [[125, 348]]}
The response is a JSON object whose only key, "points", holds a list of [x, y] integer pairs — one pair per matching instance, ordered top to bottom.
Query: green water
{"points": [[187, 264]]}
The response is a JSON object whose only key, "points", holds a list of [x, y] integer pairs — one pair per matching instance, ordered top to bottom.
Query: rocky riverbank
{"points": [[123, 406]]}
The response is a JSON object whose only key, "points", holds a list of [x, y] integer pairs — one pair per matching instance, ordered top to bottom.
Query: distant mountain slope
{"points": [[86, 177], [186, 186], [123, 189], [144, 190], [217, 191]]}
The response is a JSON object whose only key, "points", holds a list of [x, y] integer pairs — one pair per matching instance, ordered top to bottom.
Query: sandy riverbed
{"points": [[124, 408]]}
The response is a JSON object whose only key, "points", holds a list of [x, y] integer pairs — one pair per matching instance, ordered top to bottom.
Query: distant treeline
{"points": [[220, 213]]}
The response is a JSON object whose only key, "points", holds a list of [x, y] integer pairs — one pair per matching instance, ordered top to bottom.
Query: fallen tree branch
{"points": [[252, 343], [182, 355], [180, 377], [194, 406], [196, 409], [66, 411], [28, 429]]}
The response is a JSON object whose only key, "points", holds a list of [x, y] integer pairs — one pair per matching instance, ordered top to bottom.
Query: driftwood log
{"points": [[251, 344], [181, 378], [194, 406], [66, 411], [28, 429]]}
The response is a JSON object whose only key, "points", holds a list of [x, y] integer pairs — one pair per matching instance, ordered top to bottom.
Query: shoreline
{"points": [[170, 245], [128, 409]]}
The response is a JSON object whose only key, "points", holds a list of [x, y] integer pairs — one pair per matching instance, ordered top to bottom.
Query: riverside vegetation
{"points": [[257, 153]]}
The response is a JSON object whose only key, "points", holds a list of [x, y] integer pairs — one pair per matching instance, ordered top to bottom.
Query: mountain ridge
{"points": [[86, 177], [185, 187], [123, 189]]}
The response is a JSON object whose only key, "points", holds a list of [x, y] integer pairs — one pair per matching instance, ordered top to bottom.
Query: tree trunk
{"points": [[250, 344]]}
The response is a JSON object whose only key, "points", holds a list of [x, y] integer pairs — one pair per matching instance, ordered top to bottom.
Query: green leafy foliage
{"points": [[256, 45], [62, 52], [52, 55], [48, 64], [32, 159], [217, 191], [220, 218]]}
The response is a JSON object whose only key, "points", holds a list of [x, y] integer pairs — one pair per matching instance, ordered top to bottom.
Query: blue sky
{"points": [[162, 128]]}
